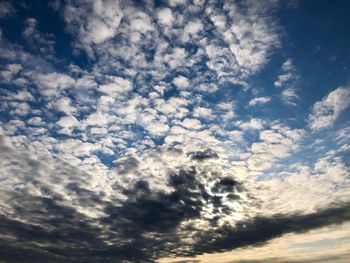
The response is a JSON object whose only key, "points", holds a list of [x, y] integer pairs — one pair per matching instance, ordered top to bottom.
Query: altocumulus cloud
{"points": [[136, 131], [52, 212]]}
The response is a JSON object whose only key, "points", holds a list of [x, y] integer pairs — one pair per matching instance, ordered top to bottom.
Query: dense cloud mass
{"points": [[165, 131], [43, 223]]}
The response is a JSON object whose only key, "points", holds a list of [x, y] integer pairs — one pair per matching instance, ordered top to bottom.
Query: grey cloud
{"points": [[6, 9], [203, 155], [39, 223], [259, 230]]}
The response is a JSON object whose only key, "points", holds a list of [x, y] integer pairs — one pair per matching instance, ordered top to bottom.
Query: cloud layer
{"points": [[132, 132]]}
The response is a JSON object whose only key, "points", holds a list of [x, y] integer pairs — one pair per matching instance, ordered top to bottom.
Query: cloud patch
{"points": [[326, 111]]}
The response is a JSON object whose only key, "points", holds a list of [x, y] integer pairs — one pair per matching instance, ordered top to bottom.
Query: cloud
{"points": [[6, 9], [165, 16], [94, 22], [250, 41], [42, 43], [11, 71], [288, 74], [181, 82], [51, 83], [117, 86], [289, 96], [261, 100], [64, 105], [326, 111], [202, 112], [67, 123], [254, 123], [191, 124], [274, 144], [146, 148], [87, 222], [267, 228]]}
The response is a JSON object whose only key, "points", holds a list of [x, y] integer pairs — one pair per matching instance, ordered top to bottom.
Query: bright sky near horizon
{"points": [[175, 131]]}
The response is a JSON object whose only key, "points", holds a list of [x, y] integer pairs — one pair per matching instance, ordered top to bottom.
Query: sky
{"points": [[175, 131]]}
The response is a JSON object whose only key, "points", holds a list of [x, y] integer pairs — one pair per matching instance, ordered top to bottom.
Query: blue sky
{"points": [[168, 131]]}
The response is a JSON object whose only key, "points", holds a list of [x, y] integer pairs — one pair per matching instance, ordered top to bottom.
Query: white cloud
{"points": [[175, 3], [165, 16], [219, 21], [94, 22], [140, 22], [192, 29], [251, 36], [40, 42], [11, 71], [288, 74], [283, 78], [181, 82], [52, 83], [117, 86], [207, 87], [23, 95], [289, 96], [261, 100], [64, 105], [21, 109], [326, 111], [202, 112], [98, 119], [35, 121], [67, 123], [254, 123], [194, 124], [157, 128], [274, 144], [76, 147]]}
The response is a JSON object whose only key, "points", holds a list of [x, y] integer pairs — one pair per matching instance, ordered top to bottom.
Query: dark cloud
{"points": [[6, 9], [203, 155], [127, 165], [145, 226], [259, 230]]}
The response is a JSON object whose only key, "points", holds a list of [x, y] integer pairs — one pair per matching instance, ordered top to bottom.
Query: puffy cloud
{"points": [[165, 16], [94, 22], [192, 29], [251, 36], [43, 43], [10, 71], [181, 82], [52, 83], [117, 86], [261, 100], [64, 105], [21, 109], [326, 111], [202, 112], [98, 119], [35, 121], [67, 123], [254, 123], [191, 124], [274, 145], [76, 147], [114, 159], [138, 217]]}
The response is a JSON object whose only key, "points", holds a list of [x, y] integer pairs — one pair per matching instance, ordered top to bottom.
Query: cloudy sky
{"points": [[174, 131]]}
